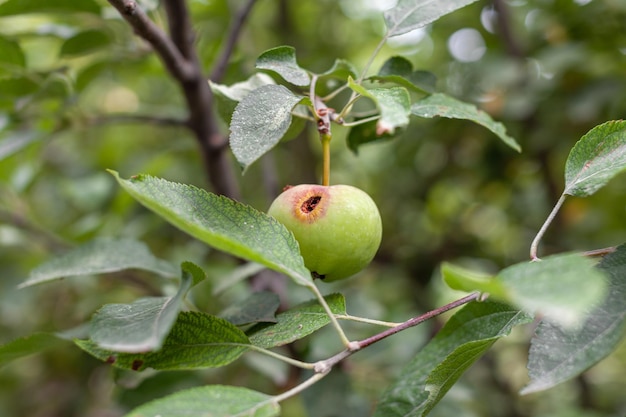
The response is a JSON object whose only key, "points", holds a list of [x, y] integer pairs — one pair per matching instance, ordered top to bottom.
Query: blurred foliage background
{"points": [[448, 190]]}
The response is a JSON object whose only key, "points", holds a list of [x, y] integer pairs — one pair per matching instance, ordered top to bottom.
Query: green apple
{"points": [[338, 227]]}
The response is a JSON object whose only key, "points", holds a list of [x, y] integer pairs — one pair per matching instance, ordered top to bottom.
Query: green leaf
{"points": [[15, 7], [409, 15], [85, 42], [11, 54], [282, 60], [341, 69], [399, 70], [17, 86], [227, 97], [394, 104], [445, 106], [260, 120], [365, 133], [16, 141], [596, 158], [223, 223], [100, 256], [194, 271], [237, 275], [462, 279], [563, 288], [259, 307], [296, 323], [143, 325], [196, 340], [29, 345], [558, 354], [436, 367], [448, 372], [211, 401]]}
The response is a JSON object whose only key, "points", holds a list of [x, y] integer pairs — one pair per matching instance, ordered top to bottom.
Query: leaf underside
{"points": [[409, 15], [442, 105], [103, 255], [562, 288], [143, 325], [197, 340], [558, 354]]}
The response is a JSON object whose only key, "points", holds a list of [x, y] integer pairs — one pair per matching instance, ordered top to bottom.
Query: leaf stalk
{"points": [[535, 243], [331, 315]]}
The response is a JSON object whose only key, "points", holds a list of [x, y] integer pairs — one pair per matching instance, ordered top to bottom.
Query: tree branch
{"points": [[179, 23], [504, 27], [151, 33], [231, 40], [138, 118], [42, 236], [420, 319]]}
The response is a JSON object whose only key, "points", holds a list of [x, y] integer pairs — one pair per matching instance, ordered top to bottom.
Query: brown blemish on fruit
{"points": [[286, 187], [310, 204]]}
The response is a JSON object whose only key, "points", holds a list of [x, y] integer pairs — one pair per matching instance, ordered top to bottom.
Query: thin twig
{"points": [[179, 23], [504, 28], [151, 33], [231, 40], [371, 59], [335, 93], [138, 118], [362, 121], [41, 236], [600, 252], [419, 319], [333, 320], [366, 320], [286, 359], [299, 388]]}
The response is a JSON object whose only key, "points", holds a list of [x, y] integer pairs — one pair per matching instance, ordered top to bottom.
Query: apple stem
{"points": [[323, 116], [326, 159]]}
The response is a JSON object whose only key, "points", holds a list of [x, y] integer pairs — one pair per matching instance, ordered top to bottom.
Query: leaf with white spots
{"points": [[445, 106], [259, 122], [222, 223]]}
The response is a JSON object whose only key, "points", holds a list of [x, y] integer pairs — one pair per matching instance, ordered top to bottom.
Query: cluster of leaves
{"points": [[260, 120]]}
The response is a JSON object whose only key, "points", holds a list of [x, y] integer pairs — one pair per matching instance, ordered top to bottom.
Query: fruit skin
{"points": [[338, 227]]}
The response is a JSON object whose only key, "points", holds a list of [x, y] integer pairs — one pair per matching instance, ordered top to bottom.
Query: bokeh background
{"points": [[448, 190]]}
